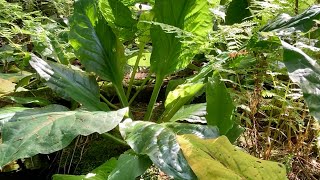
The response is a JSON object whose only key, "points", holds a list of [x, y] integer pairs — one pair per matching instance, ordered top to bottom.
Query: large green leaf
{"points": [[119, 17], [199, 22], [302, 22], [179, 33], [95, 43], [169, 54], [304, 71], [75, 83], [179, 97], [219, 105], [193, 113], [11, 114], [49, 132], [158, 141], [219, 159], [130, 166], [100, 173]]}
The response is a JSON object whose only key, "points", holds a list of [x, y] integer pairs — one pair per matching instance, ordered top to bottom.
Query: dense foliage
{"points": [[218, 76]]}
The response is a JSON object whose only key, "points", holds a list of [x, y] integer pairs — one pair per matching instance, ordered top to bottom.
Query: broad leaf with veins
{"points": [[96, 44], [76, 84], [49, 132], [158, 141], [219, 159]]}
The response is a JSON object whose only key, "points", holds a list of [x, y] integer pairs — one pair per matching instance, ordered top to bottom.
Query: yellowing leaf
{"points": [[6, 87], [219, 159]]}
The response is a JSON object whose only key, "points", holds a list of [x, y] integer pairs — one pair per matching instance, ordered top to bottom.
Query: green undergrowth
{"points": [[112, 89]]}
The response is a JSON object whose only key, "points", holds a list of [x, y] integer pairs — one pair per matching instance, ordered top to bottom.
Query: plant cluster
{"points": [[237, 71]]}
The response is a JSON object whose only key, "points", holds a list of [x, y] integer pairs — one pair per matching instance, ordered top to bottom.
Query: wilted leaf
{"points": [[6, 87], [49, 132], [219, 159]]}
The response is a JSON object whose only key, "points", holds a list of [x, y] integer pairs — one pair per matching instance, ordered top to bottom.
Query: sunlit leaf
{"points": [[119, 18], [302, 22], [144, 28], [95, 43], [169, 53], [144, 61], [6, 87], [179, 97], [158, 141], [219, 159]]}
